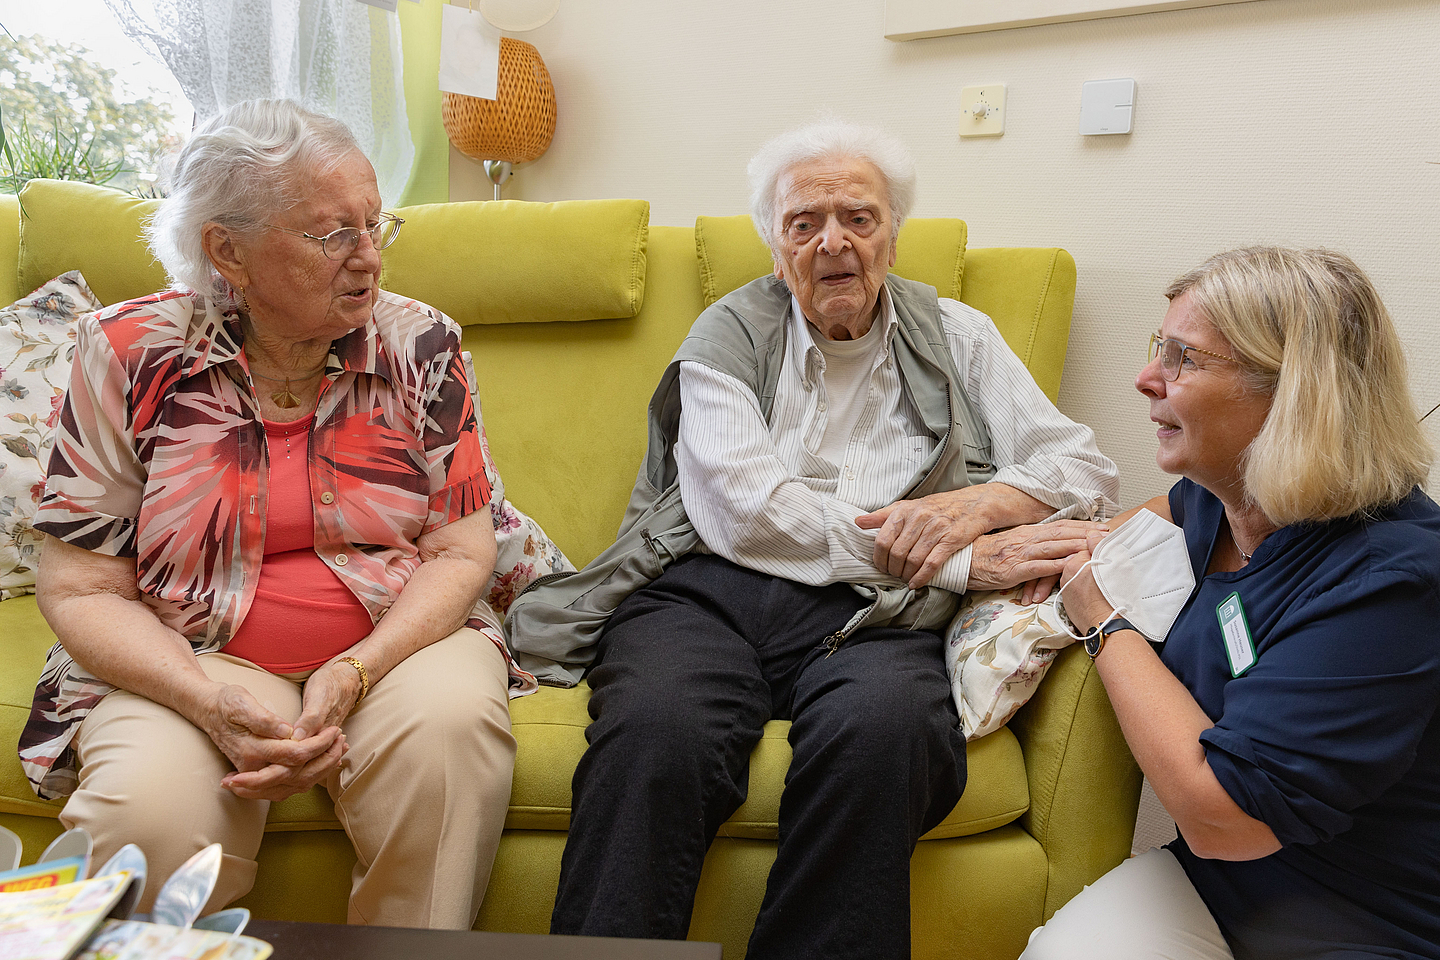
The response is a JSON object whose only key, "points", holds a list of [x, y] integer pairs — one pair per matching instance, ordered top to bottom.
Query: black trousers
{"points": [[689, 670]]}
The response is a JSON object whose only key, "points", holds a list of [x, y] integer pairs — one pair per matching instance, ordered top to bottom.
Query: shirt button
{"points": [[820, 406], [849, 474], [327, 497], [341, 559]]}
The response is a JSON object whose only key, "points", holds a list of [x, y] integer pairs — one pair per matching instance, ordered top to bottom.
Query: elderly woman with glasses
{"points": [[268, 541], [1289, 721]]}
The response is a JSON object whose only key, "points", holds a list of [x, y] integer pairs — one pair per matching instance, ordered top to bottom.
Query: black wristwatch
{"points": [[1095, 639]]}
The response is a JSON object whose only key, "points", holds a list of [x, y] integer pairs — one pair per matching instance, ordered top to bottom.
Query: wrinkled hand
{"points": [[916, 537], [1035, 552], [1085, 605], [330, 694], [270, 763]]}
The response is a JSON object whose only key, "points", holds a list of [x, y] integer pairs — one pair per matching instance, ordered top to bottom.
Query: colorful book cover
{"points": [[39, 876]]}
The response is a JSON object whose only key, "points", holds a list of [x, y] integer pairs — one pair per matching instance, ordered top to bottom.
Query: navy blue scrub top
{"points": [[1331, 738]]}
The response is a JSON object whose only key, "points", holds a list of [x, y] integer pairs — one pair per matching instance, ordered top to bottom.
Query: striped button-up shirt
{"points": [[760, 495]]}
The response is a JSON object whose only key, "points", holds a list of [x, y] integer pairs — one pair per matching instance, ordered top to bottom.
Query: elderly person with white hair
{"points": [[836, 455], [268, 541]]}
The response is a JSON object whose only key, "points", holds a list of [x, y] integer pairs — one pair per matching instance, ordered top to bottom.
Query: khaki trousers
{"points": [[422, 793], [1144, 909]]}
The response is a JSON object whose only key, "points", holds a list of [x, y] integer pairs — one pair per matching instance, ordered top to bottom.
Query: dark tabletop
{"points": [[326, 941]]}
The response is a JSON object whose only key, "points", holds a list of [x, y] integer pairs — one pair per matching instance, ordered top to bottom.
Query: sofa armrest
{"points": [[10, 250], [1084, 784]]}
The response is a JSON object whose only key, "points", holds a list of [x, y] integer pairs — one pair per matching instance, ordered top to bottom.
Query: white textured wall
{"points": [[1290, 121]]}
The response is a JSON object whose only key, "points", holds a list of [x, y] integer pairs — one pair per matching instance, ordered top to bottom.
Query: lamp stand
{"points": [[498, 171]]}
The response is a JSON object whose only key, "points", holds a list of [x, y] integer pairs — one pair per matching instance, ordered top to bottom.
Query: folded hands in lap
{"points": [[273, 758]]}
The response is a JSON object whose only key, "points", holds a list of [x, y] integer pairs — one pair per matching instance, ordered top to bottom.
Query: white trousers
{"points": [[422, 793], [1144, 909]]}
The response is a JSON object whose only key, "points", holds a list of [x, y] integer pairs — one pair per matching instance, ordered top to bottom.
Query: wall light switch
{"points": [[1107, 106], [982, 110]]}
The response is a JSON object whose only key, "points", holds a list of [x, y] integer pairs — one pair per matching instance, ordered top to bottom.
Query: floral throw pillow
{"points": [[37, 344], [523, 553], [997, 650]]}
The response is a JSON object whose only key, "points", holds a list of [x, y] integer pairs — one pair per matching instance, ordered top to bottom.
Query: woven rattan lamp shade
{"points": [[518, 124]]}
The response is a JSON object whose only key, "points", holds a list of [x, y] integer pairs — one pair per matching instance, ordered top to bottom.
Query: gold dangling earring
{"points": [[243, 302]]}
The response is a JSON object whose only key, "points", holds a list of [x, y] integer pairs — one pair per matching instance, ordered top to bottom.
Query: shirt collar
{"points": [[216, 337], [812, 365]]}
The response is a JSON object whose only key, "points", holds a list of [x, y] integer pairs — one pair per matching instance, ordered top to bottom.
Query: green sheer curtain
{"points": [[420, 40]]}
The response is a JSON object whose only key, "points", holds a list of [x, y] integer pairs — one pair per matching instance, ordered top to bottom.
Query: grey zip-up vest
{"points": [[553, 626]]}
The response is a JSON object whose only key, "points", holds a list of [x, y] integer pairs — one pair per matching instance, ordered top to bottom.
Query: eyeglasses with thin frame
{"points": [[340, 244], [1172, 355]]}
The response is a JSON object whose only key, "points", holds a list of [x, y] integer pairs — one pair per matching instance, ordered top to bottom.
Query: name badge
{"points": [[1238, 645]]}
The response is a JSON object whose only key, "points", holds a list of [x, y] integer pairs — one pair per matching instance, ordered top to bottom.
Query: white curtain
{"points": [[338, 57]]}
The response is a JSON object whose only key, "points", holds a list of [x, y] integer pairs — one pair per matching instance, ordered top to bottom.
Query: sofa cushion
{"points": [[96, 230], [732, 254], [510, 261], [37, 345], [550, 731]]}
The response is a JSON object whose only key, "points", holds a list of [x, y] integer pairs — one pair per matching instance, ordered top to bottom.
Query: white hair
{"points": [[829, 140], [239, 169]]}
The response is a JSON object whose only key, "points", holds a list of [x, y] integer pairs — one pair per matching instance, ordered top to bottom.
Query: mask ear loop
{"points": [[1065, 624]]}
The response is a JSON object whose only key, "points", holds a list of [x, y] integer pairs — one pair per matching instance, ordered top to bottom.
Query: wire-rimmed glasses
{"points": [[340, 244], [1172, 355]]}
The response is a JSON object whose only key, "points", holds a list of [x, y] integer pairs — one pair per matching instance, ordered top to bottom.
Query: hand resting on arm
{"points": [[916, 537]]}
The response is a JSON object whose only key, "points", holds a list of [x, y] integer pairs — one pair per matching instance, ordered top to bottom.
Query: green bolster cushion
{"points": [[66, 226], [510, 261]]}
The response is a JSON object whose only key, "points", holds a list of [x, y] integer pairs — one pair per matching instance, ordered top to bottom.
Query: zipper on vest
{"points": [[559, 575], [833, 642]]}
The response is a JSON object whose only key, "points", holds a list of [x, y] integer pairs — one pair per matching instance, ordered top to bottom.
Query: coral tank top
{"points": [[302, 614]]}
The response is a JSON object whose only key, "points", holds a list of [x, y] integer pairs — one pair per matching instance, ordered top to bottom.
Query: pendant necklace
{"points": [[285, 398]]}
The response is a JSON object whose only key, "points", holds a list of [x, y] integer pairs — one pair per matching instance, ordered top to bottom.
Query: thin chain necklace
{"points": [[285, 398]]}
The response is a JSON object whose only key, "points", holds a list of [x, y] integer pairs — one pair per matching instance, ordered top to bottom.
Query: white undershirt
{"points": [[848, 388], [764, 496]]}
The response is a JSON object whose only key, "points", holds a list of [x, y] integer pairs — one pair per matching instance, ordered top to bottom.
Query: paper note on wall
{"points": [[469, 53]]}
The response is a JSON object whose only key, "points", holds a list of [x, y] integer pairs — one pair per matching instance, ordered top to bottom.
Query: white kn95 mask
{"points": [[1143, 570]]}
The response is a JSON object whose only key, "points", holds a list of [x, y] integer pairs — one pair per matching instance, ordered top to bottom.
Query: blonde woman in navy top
{"points": [[1301, 763]]}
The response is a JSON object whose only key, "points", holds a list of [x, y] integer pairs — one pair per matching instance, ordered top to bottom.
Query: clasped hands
{"points": [[914, 538], [274, 758]]}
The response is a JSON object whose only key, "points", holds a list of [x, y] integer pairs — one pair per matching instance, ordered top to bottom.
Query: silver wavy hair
{"points": [[830, 140], [239, 169]]}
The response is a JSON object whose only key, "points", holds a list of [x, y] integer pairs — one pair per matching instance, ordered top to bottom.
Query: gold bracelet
{"points": [[364, 675]]}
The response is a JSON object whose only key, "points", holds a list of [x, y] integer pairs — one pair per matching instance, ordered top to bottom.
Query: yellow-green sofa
{"points": [[571, 311]]}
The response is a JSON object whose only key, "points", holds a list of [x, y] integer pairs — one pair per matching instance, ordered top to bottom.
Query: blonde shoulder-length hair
{"points": [[1311, 332]]}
